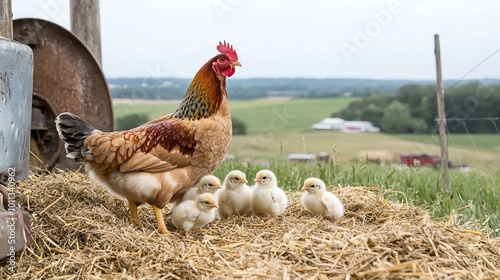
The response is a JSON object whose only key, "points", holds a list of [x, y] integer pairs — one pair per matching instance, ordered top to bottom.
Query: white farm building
{"points": [[329, 124], [345, 126], [359, 127]]}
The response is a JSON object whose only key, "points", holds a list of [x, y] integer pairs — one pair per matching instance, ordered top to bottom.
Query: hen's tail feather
{"points": [[73, 131]]}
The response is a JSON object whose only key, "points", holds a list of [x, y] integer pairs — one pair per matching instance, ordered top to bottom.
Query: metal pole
{"points": [[6, 19], [86, 24], [441, 117]]}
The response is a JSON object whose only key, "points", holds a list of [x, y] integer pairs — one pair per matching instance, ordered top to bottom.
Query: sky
{"points": [[375, 39]]}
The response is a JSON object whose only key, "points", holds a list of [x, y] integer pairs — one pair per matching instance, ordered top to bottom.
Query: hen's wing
{"points": [[157, 146]]}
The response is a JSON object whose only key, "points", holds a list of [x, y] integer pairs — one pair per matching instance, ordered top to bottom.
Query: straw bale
{"points": [[80, 231]]}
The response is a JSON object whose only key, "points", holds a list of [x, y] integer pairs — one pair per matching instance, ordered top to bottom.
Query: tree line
{"points": [[253, 88], [413, 109]]}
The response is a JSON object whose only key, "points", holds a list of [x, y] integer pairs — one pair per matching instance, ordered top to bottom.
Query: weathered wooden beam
{"points": [[6, 19], [86, 24]]}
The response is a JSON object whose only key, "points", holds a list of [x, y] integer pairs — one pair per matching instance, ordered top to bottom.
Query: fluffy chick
{"points": [[207, 184], [235, 197], [267, 198], [319, 201], [194, 214]]}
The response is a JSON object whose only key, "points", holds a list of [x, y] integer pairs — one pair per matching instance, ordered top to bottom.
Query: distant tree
{"points": [[411, 94], [473, 100], [352, 112], [373, 114], [396, 118], [130, 121], [418, 125], [239, 127]]}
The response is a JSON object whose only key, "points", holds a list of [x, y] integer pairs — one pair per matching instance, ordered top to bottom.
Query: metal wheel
{"points": [[66, 78]]}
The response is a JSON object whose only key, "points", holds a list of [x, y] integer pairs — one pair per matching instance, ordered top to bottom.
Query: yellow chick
{"points": [[207, 184], [235, 197], [267, 198], [319, 201], [194, 214]]}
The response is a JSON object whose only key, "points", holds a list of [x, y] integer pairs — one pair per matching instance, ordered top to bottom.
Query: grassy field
{"points": [[153, 110], [296, 115], [285, 116], [279, 127], [479, 142], [267, 145]]}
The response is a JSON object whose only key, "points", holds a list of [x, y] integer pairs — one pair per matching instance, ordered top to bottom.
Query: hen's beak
{"points": [[236, 63], [244, 181], [218, 187], [305, 187]]}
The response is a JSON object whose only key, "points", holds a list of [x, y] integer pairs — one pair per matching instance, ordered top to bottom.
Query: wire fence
{"points": [[465, 123]]}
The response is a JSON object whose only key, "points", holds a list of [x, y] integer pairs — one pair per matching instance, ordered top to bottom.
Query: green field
{"points": [[153, 110], [296, 115], [290, 116], [277, 128], [478, 142], [350, 147]]}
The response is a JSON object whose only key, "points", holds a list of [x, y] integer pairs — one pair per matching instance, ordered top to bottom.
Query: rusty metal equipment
{"points": [[66, 78]]}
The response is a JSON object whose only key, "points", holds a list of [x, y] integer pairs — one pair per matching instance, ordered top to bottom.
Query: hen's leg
{"points": [[133, 211], [159, 218]]}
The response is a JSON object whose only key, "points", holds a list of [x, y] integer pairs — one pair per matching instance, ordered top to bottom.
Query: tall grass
{"points": [[472, 199]]}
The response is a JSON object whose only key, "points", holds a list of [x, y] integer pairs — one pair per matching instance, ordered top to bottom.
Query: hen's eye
{"points": [[222, 60], [265, 177]]}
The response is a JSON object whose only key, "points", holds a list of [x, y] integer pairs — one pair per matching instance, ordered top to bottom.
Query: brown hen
{"points": [[157, 161]]}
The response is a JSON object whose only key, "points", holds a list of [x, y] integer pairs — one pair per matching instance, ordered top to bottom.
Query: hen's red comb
{"points": [[228, 50]]}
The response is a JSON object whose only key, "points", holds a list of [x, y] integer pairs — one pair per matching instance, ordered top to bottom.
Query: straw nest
{"points": [[80, 231]]}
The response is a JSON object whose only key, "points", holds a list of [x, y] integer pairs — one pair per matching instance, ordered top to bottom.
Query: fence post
{"points": [[441, 117]]}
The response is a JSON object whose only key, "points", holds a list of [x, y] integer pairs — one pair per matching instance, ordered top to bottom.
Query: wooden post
{"points": [[6, 19], [86, 24], [441, 117]]}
